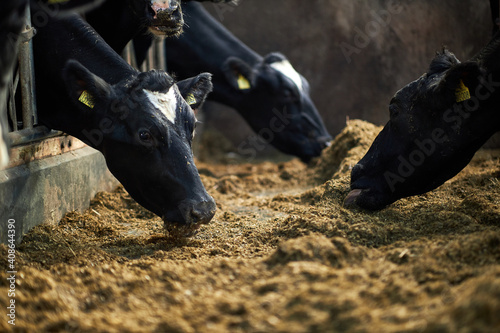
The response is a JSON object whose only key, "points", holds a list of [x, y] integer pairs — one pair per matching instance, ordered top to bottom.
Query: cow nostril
{"points": [[173, 8], [165, 9], [170, 9], [167, 12], [324, 141], [356, 170], [197, 212], [203, 212]]}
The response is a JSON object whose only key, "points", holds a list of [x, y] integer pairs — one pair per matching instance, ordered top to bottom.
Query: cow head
{"points": [[162, 17], [274, 100], [437, 123], [144, 128]]}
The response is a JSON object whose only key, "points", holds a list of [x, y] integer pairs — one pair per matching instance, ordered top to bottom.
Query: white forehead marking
{"points": [[286, 68], [165, 102]]}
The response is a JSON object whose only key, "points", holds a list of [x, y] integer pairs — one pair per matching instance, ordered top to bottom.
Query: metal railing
{"points": [[155, 58], [24, 127]]}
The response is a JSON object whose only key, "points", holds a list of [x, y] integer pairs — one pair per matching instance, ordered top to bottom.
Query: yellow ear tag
{"points": [[243, 83], [462, 92], [87, 99], [190, 99]]}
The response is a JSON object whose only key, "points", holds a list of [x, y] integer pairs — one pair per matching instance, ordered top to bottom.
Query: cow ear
{"points": [[271, 58], [239, 74], [460, 81], [85, 89], [196, 89]]}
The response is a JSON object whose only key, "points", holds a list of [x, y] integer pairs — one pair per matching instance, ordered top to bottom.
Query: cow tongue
{"points": [[351, 197]]}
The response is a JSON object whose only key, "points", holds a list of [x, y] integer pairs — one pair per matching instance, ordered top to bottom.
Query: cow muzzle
{"points": [[167, 18], [194, 215]]}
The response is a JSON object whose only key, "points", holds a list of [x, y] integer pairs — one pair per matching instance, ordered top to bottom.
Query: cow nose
{"points": [[165, 7], [325, 141], [325, 144], [356, 171], [197, 212], [202, 212]]}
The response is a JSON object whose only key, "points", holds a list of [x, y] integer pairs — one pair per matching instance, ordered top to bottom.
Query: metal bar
{"points": [[159, 45], [129, 54], [150, 59], [27, 74], [12, 100], [28, 135]]}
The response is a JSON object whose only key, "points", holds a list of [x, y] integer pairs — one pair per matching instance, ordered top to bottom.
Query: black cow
{"points": [[62, 7], [495, 12], [12, 18], [119, 21], [270, 95], [139, 121], [437, 123]]}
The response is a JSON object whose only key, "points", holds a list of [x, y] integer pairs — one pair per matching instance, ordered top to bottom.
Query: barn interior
{"points": [[282, 253]]}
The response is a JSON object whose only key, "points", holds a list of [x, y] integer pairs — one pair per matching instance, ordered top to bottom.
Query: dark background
{"points": [[310, 33]]}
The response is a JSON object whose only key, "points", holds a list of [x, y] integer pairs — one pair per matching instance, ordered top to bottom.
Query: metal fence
{"points": [[23, 124], [24, 127]]}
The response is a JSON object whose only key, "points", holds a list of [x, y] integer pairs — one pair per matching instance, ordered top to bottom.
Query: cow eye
{"points": [[289, 95], [393, 109], [145, 136]]}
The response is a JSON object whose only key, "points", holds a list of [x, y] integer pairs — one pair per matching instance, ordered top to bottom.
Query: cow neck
{"points": [[116, 22], [73, 38], [57, 42], [204, 47], [489, 55], [488, 58]]}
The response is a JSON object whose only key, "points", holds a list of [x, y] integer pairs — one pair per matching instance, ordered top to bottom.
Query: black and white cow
{"points": [[12, 18], [267, 91], [139, 121], [437, 123]]}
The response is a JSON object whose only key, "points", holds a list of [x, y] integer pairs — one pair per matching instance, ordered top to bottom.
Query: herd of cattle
{"points": [[143, 122]]}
